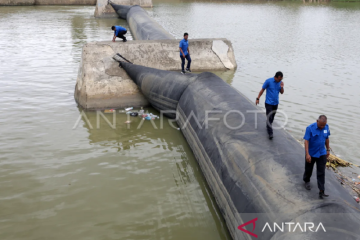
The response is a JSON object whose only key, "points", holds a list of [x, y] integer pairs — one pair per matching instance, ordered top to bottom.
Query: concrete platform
{"points": [[17, 2], [46, 2], [65, 2], [104, 10], [102, 84]]}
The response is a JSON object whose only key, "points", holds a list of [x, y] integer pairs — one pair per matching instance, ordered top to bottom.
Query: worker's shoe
{"points": [[124, 40], [188, 70], [182, 72], [271, 136], [307, 186], [322, 195]]}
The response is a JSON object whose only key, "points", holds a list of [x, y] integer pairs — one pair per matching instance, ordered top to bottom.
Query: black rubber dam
{"points": [[142, 26], [250, 176]]}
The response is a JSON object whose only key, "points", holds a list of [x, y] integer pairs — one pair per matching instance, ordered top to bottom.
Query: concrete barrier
{"points": [[17, 2], [65, 2], [104, 10], [102, 84]]}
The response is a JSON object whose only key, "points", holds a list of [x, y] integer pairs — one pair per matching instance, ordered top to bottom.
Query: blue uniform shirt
{"points": [[119, 29], [184, 46], [272, 91], [316, 138]]}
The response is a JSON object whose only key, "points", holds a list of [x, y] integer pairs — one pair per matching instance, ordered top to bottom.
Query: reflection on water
{"points": [[103, 183]]}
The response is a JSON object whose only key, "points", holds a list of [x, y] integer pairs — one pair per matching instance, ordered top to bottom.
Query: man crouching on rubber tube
{"points": [[119, 32], [316, 138]]}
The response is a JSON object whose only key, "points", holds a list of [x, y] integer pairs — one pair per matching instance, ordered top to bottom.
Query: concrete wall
{"points": [[16, 2], [46, 2], [65, 2], [104, 10], [102, 84]]}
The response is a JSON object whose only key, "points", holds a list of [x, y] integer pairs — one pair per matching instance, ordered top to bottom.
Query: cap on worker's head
{"points": [[113, 27], [186, 34]]}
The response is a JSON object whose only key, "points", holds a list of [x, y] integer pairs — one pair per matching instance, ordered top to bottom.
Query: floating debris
{"points": [[109, 110], [149, 116], [334, 162], [347, 182]]}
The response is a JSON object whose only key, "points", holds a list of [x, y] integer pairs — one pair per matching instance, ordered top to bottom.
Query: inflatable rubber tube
{"points": [[142, 26], [250, 176]]}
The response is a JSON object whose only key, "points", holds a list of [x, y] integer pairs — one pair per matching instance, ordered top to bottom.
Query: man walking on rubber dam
{"points": [[185, 53], [273, 87], [316, 139]]}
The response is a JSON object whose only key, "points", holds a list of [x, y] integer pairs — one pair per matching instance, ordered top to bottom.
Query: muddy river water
{"points": [[62, 177]]}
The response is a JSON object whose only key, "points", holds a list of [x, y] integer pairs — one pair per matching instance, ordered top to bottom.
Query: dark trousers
{"points": [[121, 35], [183, 61], [270, 115], [320, 166]]}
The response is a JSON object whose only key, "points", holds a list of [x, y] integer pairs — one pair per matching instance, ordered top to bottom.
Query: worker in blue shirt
{"points": [[119, 32], [185, 53], [273, 87], [316, 139]]}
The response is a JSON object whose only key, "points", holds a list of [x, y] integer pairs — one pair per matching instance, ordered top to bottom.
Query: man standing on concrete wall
{"points": [[119, 32], [185, 53], [273, 87], [316, 138]]}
